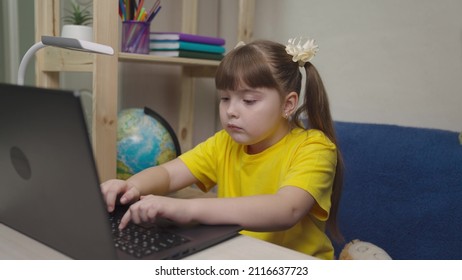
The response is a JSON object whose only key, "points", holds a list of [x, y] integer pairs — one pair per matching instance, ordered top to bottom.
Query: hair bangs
{"points": [[244, 67]]}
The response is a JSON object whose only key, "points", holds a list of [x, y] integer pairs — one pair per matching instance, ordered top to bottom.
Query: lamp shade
{"points": [[61, 42]]}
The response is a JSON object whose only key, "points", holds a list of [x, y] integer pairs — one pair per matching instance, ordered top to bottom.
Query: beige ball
{"points": [[361, 250]]}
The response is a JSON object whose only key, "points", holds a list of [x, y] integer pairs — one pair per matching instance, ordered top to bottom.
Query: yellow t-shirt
{"points": [[303, 158]]}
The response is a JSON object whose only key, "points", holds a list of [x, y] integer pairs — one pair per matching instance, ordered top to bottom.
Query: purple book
{"points": [[178, 36]]}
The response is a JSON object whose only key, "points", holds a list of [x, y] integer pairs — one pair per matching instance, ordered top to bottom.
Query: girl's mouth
{"points": [[233, 127]]}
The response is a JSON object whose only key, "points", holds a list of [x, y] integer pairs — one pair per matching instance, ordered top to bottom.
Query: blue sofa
{"points": [[402, 190]]}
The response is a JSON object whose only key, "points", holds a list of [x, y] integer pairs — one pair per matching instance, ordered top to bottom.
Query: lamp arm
{"points": [[25, 60]]}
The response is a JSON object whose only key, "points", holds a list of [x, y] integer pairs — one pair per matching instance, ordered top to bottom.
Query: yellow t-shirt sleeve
{"points": [[313, 169]]}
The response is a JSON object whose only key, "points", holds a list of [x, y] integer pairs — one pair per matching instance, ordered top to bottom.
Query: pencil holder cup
{"points": [[135, 36]]}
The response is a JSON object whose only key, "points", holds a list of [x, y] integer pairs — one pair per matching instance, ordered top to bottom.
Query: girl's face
{"points": [[253, 117]]}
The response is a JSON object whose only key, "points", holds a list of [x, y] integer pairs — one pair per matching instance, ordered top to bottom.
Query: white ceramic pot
{"points": [[81, 32]]}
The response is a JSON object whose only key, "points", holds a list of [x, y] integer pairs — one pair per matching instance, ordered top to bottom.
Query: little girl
{"points": [[278, 180]]}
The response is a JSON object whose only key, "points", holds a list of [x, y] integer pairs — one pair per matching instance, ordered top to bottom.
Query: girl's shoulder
{"points": [[308, 136], [306, 143]]}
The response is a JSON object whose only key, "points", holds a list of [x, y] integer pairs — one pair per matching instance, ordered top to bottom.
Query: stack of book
{"points": [[175, 44]]}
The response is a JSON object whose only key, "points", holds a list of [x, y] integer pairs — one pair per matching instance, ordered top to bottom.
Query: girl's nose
{"points": [[231, 110]]}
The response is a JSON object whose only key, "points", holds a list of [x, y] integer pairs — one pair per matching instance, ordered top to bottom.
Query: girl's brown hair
{"points": [[266, 64]]}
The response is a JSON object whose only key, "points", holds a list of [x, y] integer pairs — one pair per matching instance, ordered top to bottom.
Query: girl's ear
{"points": [[290, 104]]}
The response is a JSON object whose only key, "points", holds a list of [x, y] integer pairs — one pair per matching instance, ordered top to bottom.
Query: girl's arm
{"points": [[163, 179], [158, 180], [258, 213]]}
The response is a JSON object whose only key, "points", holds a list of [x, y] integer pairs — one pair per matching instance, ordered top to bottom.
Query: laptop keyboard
{"points": [[140, 241]]}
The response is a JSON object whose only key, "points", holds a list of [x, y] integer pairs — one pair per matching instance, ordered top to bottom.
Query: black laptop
{"points": [[50, 191]]}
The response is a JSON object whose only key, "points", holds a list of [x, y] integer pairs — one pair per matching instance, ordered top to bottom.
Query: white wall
{"points": [[382, 61]]}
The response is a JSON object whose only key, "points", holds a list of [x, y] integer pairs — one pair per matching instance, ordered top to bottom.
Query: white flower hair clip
{"points": [[239, 44], [301, 53]]}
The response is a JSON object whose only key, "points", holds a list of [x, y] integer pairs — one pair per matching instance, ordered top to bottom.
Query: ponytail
{"points": [[317, 110]]}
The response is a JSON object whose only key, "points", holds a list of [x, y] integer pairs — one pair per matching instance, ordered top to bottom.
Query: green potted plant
{"points": [[76, 22]]}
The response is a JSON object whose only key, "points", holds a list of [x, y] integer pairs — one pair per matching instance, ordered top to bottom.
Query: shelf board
{"points": [[67, 60], [167, 60], [201, 67]]}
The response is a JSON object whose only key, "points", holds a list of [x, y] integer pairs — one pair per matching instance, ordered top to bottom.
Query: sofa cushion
{"points": [[402, 189]]}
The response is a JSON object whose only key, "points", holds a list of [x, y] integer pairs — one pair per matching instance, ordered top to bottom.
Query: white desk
{"points": [[16, 246]]}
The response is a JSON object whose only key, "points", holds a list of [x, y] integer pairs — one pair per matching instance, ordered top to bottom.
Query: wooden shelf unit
{"points": [[51, 61]]}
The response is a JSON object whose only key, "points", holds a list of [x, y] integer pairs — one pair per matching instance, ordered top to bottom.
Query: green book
{"points": [[185, 46], [188, 54]]}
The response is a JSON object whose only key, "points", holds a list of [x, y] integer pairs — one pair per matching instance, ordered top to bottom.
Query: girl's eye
{"points": [[224, 99], [249, 101]]}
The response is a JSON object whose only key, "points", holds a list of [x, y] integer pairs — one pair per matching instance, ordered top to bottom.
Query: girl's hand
{"points": [[112, 188], [151, 207]]}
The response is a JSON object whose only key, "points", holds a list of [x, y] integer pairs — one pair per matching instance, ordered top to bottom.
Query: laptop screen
{"points": [[50, 187]]}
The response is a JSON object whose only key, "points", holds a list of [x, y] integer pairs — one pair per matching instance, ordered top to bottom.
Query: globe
{"points": [[144, 139]]}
